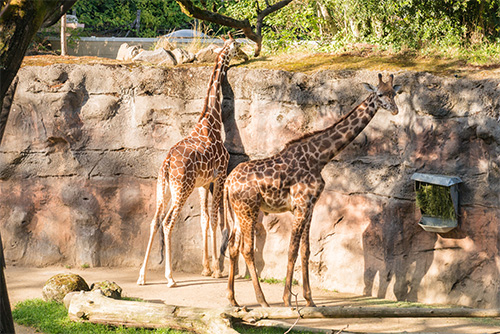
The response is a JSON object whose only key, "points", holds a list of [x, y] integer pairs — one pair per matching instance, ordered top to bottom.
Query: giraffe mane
{"points": [[205, 109], [313, 133]]}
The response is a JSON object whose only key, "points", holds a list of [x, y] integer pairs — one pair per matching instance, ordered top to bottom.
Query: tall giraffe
{"points": [[194, 162], [291, 181]]}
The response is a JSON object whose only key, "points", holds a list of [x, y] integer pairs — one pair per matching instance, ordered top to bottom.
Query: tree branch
{"points": [[269, 10]]}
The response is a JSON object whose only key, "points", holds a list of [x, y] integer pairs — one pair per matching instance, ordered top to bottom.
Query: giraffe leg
{"points": [[203, 191], [163, 197], [216, 202], [301, 218], [155, 223], [168, 225], [248, 233], [234, 251], [305, 253], [292, 257]]}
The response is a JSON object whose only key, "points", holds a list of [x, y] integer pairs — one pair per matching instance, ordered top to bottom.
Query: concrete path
{"points": [[196, 290]]}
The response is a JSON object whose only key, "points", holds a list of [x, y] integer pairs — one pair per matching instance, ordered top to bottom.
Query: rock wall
{"points": [[83, 144]]}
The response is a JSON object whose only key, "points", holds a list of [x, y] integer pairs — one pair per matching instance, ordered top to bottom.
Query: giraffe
{"points": [[195, 162], [291, 181]]}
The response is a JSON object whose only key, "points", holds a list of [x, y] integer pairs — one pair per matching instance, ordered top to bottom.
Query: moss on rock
{"points": [[58, 286], [109, 289]]}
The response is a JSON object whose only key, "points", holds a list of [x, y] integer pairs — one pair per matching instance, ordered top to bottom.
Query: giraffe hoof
{"points": [[206, 272], [216, 274], [141, 281], [171, 284], [233, 303], [264, 304]]}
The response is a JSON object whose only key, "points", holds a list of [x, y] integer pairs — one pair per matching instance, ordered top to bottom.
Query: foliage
{"points": [[116, 16], [415, 24], [435, 201]]}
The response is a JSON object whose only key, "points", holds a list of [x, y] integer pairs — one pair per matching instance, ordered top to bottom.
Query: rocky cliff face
{"points": [[83, 145]]}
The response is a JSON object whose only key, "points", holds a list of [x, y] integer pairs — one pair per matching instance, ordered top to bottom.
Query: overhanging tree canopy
{"points": [[190, 9]]}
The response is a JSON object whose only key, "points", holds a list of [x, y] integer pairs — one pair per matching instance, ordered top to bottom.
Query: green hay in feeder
{"points": [[435, 201]]}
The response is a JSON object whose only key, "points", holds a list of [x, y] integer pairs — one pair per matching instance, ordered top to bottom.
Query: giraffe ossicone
{"points": [[195, 162], [291, 181]]}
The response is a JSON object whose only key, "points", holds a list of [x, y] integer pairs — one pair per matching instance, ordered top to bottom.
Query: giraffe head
{"points": [[231, 49], [384, 93]]}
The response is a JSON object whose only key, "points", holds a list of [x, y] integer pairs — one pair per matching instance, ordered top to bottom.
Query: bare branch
{"points": [[273, 8], [269, 10]]}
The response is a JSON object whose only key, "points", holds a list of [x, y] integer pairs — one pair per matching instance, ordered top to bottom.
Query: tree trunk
{"points": [[96, 308], [6, 322]]}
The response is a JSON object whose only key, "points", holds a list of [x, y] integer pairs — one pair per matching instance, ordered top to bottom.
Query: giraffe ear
{"points": [[369, 87], [397, 88]]}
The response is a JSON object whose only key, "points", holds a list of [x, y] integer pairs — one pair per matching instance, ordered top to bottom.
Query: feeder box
{"points": [[437, 198]]}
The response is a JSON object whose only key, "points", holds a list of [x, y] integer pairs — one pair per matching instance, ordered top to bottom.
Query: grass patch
{"points": [[85, 266], [273, 280], [265, 330]]}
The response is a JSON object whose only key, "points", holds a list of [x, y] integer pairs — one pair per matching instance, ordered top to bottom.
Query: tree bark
{"points": [[96, 308]]}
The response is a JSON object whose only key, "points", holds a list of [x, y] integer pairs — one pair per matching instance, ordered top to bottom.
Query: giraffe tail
{"points": [[162, 200], [227, 232]]}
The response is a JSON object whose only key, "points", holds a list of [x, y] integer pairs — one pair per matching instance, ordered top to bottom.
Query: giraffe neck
{"points": [[210, 121], [325, 144]]}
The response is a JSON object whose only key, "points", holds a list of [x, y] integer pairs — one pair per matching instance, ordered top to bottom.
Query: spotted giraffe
{"points": [[195, 162], [291, 181]]}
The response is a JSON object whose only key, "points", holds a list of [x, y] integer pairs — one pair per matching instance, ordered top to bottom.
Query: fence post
{"points": [[64, 46]]}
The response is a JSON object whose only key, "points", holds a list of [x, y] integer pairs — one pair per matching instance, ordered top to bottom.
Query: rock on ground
{"points": [[127, 52], [159, 56], [58, 286], [108, 289]]}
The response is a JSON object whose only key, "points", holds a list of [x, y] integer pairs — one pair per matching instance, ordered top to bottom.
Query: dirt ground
{"points": [[196, 290]]}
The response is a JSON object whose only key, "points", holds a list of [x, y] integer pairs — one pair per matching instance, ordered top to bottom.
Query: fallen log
{"points": [[96, 308], [360, 312]]}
